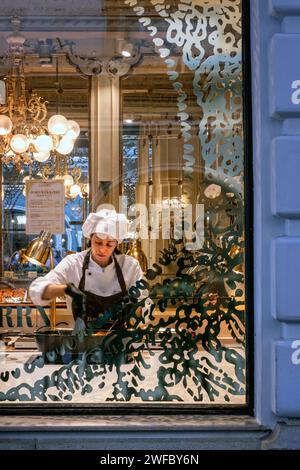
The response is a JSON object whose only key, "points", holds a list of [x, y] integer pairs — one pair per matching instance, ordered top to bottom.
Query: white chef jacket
{"points": [[100, 281]]}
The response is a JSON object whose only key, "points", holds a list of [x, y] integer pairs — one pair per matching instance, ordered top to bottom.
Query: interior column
{"points": [[105, 141]]}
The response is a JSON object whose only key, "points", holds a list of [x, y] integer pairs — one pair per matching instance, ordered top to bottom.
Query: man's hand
{"points": [[78, 302]]}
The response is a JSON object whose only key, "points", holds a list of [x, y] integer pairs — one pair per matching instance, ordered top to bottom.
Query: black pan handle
{"points": [[7, 284], [57, 324]]}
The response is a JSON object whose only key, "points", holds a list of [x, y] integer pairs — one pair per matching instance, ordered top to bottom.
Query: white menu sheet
{"points": [[45, 206]]}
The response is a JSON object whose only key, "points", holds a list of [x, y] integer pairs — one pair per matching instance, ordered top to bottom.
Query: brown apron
{"points": [[104, 312]]}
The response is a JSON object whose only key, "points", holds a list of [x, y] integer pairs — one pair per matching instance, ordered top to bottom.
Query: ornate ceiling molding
{"points": [[54, 7], [55, 23], [72, 23], [114, 66]]}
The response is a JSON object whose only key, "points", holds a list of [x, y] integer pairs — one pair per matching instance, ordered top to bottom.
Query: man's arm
{"points": [[56, 278], [53, 290]]}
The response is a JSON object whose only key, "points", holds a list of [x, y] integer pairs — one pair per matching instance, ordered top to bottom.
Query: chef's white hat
{"points": [[106, 223]]}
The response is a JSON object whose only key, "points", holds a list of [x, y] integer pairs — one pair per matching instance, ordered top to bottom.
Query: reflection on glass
{"points": [[182, 173]]}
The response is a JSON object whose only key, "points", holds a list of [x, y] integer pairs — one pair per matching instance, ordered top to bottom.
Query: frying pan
{"points": [[63, 346]]}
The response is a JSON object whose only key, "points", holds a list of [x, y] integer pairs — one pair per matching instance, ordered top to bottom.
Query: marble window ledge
{"points": [[125, 422]]}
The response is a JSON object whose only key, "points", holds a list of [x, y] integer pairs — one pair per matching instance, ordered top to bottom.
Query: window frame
{"points": [[182, 408]]}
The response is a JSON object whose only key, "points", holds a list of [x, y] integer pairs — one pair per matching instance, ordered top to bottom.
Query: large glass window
{"points": [[180, 180]]}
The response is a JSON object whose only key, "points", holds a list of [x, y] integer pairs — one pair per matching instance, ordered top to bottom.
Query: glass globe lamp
{"points": [[5, 124], [58, 124], [73, 130], [19, 143], [43, 144], [65, 146], [41, 156], [68, 180], [74, 190]]}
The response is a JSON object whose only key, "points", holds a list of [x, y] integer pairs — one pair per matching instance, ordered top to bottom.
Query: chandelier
{"points": [[25, 133], [72, 178]]}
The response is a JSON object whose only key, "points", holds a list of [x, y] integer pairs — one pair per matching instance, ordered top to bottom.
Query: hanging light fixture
{"points": [[24, 132], [61, 167], [64, 169]]}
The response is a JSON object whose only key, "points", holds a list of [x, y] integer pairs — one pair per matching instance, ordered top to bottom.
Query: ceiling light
{"points": [[127, 50], [22, 118]]}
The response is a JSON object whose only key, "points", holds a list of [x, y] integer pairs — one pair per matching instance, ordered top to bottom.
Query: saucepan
{"points": [[63, 346]]}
